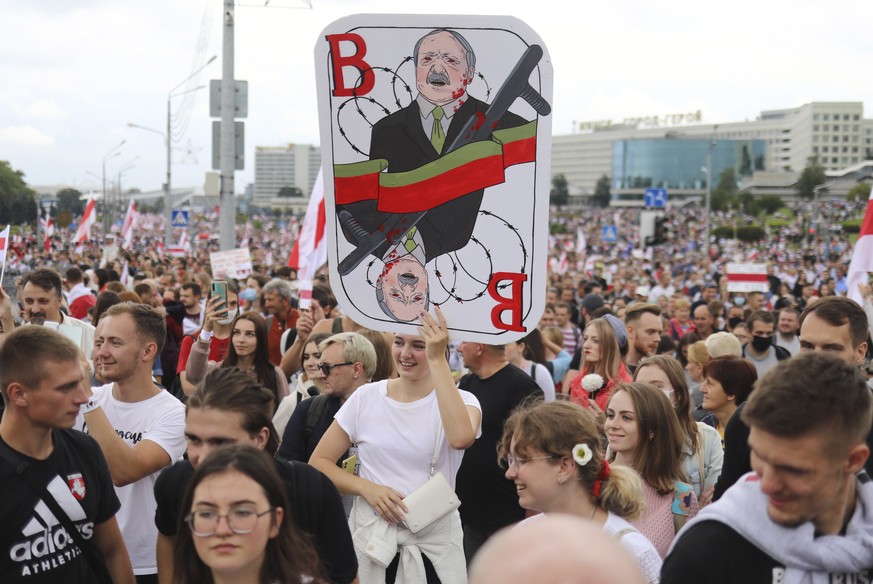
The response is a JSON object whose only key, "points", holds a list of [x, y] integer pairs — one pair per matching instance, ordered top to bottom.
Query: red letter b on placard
{"points": [[356, 60], [512, 304]]}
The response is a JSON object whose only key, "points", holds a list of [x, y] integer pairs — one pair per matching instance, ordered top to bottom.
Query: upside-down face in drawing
{"points": [[442, 67], [402, 289]]}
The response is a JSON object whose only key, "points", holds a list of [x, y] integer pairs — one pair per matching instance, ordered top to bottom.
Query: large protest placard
{"points": [[436, 138], [233, 263]]}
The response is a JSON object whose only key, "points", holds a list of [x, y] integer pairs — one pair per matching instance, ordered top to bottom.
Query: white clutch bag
{"points": [[429, 502]]}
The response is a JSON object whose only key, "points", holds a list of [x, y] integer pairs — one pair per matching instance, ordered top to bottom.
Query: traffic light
{"points": [[662, 233]]}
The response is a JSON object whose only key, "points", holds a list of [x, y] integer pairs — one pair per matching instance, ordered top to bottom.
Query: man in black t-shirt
{"points": [[42, 384], [229, 407], [488, 498], [806, 507]]}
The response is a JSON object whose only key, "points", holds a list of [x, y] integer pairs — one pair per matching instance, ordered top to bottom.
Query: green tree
{"points": [[746, 162], [813, 175], [727, 181], [859, 192], [560, 194], [602, 195], [17, 200], [70, 200]]}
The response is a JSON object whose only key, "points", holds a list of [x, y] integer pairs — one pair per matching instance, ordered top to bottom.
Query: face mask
{"points": [[248, 294], [739, 301], [231, 314], [734, 321], [761, 344]]}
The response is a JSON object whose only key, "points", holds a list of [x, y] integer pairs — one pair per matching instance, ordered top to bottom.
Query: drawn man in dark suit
{"points": [[409, 139]]}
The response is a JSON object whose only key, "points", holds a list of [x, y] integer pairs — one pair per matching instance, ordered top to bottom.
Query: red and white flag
{"points": [[130, 220], [48, 228], [83, 233], [4, 245], [310, 251], [862, 256], [747, 277]]}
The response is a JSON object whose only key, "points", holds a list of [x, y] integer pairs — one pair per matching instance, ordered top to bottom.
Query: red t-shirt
{"points": [[278, 327], [217, 350]]}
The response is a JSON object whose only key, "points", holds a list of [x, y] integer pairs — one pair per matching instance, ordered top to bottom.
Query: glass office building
{"points": [[678, 163]]}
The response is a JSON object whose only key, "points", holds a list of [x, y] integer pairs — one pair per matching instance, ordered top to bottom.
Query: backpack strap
{"points": [[533, 371], [316, 409]]}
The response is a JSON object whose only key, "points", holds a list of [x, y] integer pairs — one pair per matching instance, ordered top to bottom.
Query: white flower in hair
{"points": [[592, 382], [582, 454]]}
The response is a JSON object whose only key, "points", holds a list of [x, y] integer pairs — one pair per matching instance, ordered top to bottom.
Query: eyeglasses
{"points": [[326, 368], [510, 460], [241, 521]]}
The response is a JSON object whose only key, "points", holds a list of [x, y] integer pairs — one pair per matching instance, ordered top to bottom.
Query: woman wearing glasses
{"points": [[248, 351], [399, 425], [552, 453], [237, 527]]}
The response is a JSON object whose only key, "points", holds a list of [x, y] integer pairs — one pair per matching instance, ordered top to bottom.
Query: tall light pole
{"points": [[227, 138], [168, 140], [109, 155], [130, 164]]}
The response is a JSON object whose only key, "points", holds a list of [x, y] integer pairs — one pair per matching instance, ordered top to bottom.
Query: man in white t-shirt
{"points": [[139, 426]]}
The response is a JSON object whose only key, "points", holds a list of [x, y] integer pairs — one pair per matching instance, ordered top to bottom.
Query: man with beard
{"points": [[43, 291], [788, 327], [644, 328], [139, 426]]}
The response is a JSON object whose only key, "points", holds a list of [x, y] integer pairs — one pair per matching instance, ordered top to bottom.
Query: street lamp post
{"points": [[168, 140], [109, 155], [130, 164], [708, 189]]}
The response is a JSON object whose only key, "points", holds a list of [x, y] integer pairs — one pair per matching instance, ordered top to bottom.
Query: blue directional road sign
{"points": [[656, 198], [180, 218], [610, 234]]}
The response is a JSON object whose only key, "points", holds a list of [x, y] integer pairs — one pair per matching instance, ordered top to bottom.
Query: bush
{"points": [[852, 226], [724, 232], [751, 233]]}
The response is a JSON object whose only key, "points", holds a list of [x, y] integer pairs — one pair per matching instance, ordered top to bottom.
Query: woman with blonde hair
{"points": [[605, 340], [698, 357], [644, 434], [552, 452], [702, 453]]}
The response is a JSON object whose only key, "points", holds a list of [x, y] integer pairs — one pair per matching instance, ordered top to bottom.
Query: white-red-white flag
{"points": [[131, 218], [48, 229], [83, 233], [4, 245], [310, 251], [862, 256], [747, 277]]}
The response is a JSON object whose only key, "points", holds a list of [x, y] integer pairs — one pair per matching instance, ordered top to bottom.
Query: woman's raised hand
{"points": [[215, 309], [435, 333]]}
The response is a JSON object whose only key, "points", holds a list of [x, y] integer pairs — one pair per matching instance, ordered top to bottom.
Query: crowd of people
{"points": [[155, 432]]}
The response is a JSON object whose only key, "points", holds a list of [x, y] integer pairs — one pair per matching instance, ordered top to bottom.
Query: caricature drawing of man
{"points": [[409, 138]]}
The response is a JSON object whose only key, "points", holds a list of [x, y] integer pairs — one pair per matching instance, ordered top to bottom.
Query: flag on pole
{"points": [[130, 221], [48, 228], [83, 233], [581, 244], [4, 245], [310, 251], [862, 256], [747, 277]]}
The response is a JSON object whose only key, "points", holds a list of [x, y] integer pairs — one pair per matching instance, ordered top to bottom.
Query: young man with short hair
{"points": [[644, 328], [761, 351], [42, 383], [139, 426]]}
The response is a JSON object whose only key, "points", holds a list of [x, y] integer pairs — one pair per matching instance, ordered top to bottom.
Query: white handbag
{"points": [[432, 500]]}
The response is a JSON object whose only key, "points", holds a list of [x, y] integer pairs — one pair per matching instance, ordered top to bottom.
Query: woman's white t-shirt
{"points": [[395, 440]]}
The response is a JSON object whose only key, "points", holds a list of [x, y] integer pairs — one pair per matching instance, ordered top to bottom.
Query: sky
{"points": [[75, 74]]}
